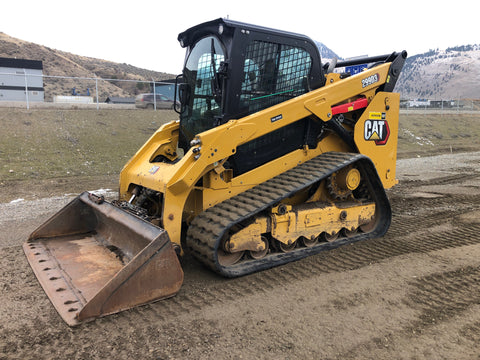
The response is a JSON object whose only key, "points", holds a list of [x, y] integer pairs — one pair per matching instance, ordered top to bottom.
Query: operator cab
{"points": [[234, 69]]}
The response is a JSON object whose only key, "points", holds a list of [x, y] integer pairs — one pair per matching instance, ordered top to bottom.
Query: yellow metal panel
{"points": [[376, 135], [139, 170], [311, 221], [249, 238]]}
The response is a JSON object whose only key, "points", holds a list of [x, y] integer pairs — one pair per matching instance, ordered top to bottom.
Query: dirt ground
{"points": [[413, 294]]}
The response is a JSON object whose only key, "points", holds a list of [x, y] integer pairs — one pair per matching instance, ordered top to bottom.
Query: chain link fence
{"points": [[25, 89], [440, 106]]}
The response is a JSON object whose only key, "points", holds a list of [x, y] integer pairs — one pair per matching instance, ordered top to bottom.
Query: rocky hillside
{"points": [[326, 53], [60, 63], [448, 74]]}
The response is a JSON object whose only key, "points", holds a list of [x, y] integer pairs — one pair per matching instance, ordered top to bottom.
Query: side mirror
{"points": [[183, 91]]}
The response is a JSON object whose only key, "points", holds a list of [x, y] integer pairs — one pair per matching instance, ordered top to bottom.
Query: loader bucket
{"points": [[94, 259]]}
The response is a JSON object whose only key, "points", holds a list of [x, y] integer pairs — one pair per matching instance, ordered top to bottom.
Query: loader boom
{"points": [[275, 157]]}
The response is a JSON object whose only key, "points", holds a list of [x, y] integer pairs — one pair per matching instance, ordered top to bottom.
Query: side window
{"points": [[273, 73]]}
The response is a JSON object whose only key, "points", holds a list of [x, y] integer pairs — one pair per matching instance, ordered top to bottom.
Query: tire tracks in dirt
{"points": [[421, 225], [20, 285], [444, 295], [442, 300]]}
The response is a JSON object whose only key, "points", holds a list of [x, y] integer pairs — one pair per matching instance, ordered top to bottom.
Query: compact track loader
{"points": [[275, 157]]}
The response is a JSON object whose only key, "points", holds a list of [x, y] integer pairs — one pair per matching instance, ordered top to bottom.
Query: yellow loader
{"points": [[276, 156]]}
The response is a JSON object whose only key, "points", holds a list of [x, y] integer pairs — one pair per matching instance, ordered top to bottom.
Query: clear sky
{"points": [[144, 33]]}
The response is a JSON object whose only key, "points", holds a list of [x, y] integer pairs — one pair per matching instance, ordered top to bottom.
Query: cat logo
{"points": [[377, 130]]}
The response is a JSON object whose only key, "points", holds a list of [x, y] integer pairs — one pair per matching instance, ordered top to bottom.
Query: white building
{"points": [[19, 75], [419, 103]]}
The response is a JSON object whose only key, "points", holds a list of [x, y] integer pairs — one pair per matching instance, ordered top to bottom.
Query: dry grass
{"points": [[428, 134], [45, 143], [48, 143]]}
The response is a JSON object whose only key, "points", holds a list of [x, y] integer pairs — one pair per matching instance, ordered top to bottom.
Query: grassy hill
{"points": [[60, 63], [453, 73]]}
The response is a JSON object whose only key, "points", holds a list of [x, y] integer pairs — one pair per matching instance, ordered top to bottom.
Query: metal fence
{"points": [[26, 88], [96, 91], [440, 106]]}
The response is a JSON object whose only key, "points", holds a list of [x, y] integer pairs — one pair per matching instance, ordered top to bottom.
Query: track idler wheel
{"points": [[366, 228], [349, 233], [330, 237], [309, 242], [285, 248], [261, 253], [227, 258]]}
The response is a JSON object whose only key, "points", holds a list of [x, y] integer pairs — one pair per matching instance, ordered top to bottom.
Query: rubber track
{"points": [[207, 229]]}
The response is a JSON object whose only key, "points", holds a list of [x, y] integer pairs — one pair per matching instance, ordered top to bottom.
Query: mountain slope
{"points": [[325, 52], [60, 63], [453, 73], [448, 74]]}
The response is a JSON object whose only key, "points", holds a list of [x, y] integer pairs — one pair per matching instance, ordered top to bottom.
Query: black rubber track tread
{"points": [[206, 231]]}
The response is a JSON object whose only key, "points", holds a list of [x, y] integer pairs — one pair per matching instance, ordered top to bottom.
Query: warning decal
{"points": [[376, 115]]}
